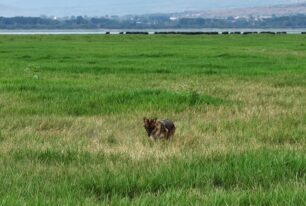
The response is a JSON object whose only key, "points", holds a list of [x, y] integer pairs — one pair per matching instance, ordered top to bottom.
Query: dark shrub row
{"points": [[136, 32], [250, 32], [267, 32], [188, 33], [203, 33]]}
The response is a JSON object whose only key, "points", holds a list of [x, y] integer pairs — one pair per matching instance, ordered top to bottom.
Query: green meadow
{"points": [[72, 108]]}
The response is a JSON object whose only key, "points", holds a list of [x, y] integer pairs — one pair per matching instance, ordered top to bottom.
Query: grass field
{"points": [[71, 110]]}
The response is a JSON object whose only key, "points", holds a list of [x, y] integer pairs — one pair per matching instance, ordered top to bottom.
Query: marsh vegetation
{"points": [[71, 110]]}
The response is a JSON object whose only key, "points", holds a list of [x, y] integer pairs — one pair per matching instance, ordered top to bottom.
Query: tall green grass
{"points": [[71, 110]]}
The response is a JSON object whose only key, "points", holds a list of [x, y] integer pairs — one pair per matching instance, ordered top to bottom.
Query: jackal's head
{"points": [[149, 125]]}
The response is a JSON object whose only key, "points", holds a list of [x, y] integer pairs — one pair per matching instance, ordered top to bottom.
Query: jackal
{"points": [[159, 129]]}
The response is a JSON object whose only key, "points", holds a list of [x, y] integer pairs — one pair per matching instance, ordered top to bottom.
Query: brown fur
{"points": [[164, 129]]}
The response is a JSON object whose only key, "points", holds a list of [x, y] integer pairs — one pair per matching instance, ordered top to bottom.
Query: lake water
{"points": [[103, 31]]}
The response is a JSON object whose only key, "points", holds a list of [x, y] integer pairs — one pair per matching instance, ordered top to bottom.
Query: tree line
{"points": [[149, 22]]}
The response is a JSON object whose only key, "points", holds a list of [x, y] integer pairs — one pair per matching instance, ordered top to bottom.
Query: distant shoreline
{"points": [[142, 31]]}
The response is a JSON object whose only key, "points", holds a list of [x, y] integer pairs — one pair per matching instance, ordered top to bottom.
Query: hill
{"points": [[278, 10]]}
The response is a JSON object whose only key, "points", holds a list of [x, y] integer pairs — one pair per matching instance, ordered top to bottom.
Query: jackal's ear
{"points": [[145, 119], [155, 119]]}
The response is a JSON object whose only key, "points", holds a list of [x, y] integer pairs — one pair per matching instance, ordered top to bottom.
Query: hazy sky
{"points": [[102, 7]]}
